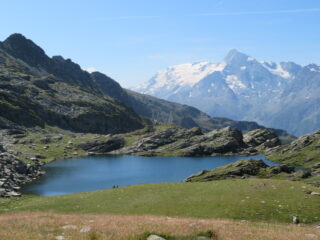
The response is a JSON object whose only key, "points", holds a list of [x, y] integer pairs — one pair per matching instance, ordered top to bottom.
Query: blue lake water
{"points": [[94, 173]]}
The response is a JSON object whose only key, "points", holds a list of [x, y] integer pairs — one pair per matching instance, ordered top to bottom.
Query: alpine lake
{"points": [[101, 172]]}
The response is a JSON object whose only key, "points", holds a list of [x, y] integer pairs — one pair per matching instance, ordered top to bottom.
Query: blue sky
{"points": [[130, 40]]}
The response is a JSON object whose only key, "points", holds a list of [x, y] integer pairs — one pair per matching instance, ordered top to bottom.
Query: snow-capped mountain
{"points": [[243, 88]]}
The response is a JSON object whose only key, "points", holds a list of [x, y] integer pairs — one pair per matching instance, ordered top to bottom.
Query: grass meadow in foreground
{"points": [[254, 199], [48, 226]]}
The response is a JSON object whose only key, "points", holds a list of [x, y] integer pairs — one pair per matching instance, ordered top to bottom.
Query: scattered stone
{"points": [[57, 138], [45, 140], [315, 193], [295, 220], [69, 227], [85, 229], [311, 236], [60, 237], [155, 237], [203, 238]]}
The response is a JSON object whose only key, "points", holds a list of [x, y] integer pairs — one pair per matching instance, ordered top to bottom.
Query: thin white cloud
{"points": [[256, 12], [216, 14], [137, 17]]}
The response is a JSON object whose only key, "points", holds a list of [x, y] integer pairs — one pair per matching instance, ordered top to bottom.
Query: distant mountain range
{"points": [[41, 91], [281, 95]]}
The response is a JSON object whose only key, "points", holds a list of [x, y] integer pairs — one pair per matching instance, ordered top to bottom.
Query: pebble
{"points": [[315, 193], [69, 227], [85, 229], [311, 236], [60, 237], [155, 237]]}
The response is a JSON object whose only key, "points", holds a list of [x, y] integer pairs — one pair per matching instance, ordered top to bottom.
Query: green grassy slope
{"points": [[304, 152], [255, 199]]}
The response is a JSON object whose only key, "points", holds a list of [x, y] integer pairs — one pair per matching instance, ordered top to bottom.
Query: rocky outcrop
{"points": [[263, 138], [223, 141], [192, 142], [110, 144], [303, 152], [250, 168], [238, 169], [14, 173]]}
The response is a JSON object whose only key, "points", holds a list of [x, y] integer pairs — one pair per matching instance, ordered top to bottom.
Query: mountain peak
{"points": [[16, 37], [20, 47], [235, 56]]}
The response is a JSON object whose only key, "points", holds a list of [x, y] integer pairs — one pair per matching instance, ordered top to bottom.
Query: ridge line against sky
{"points": [[216, 14], [132, 40]]}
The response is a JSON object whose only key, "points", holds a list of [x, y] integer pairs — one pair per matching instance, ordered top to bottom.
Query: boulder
{"points": [[281, 168], [155, 237]]}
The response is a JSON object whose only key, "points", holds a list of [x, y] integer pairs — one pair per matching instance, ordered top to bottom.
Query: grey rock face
{"points": [[192, 142], [110, 144], [14, 173]]}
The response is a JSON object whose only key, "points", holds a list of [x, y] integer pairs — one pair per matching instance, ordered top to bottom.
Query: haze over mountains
{"points": [[281, 95]]}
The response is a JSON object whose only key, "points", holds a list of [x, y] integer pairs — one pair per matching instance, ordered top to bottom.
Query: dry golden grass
{"points": [[24, 226]]}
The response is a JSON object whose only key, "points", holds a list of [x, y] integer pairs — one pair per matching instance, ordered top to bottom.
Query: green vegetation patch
{"points": [[304, 157], [249, 199]]}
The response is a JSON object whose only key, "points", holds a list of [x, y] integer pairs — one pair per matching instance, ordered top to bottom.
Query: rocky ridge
{"points": [[175, 141], [303, 152], [250, 168]]}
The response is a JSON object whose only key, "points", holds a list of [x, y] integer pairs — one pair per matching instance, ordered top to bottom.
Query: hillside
{"points": [[38, 91], [280, 95], [303, 152]]}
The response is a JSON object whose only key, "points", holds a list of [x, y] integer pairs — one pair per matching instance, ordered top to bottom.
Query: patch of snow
{"points": [[250, 59], [243, 68], [276, 69], [91, 70], [314, 70], [184, 75], [234, 82], [209, 90]]}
